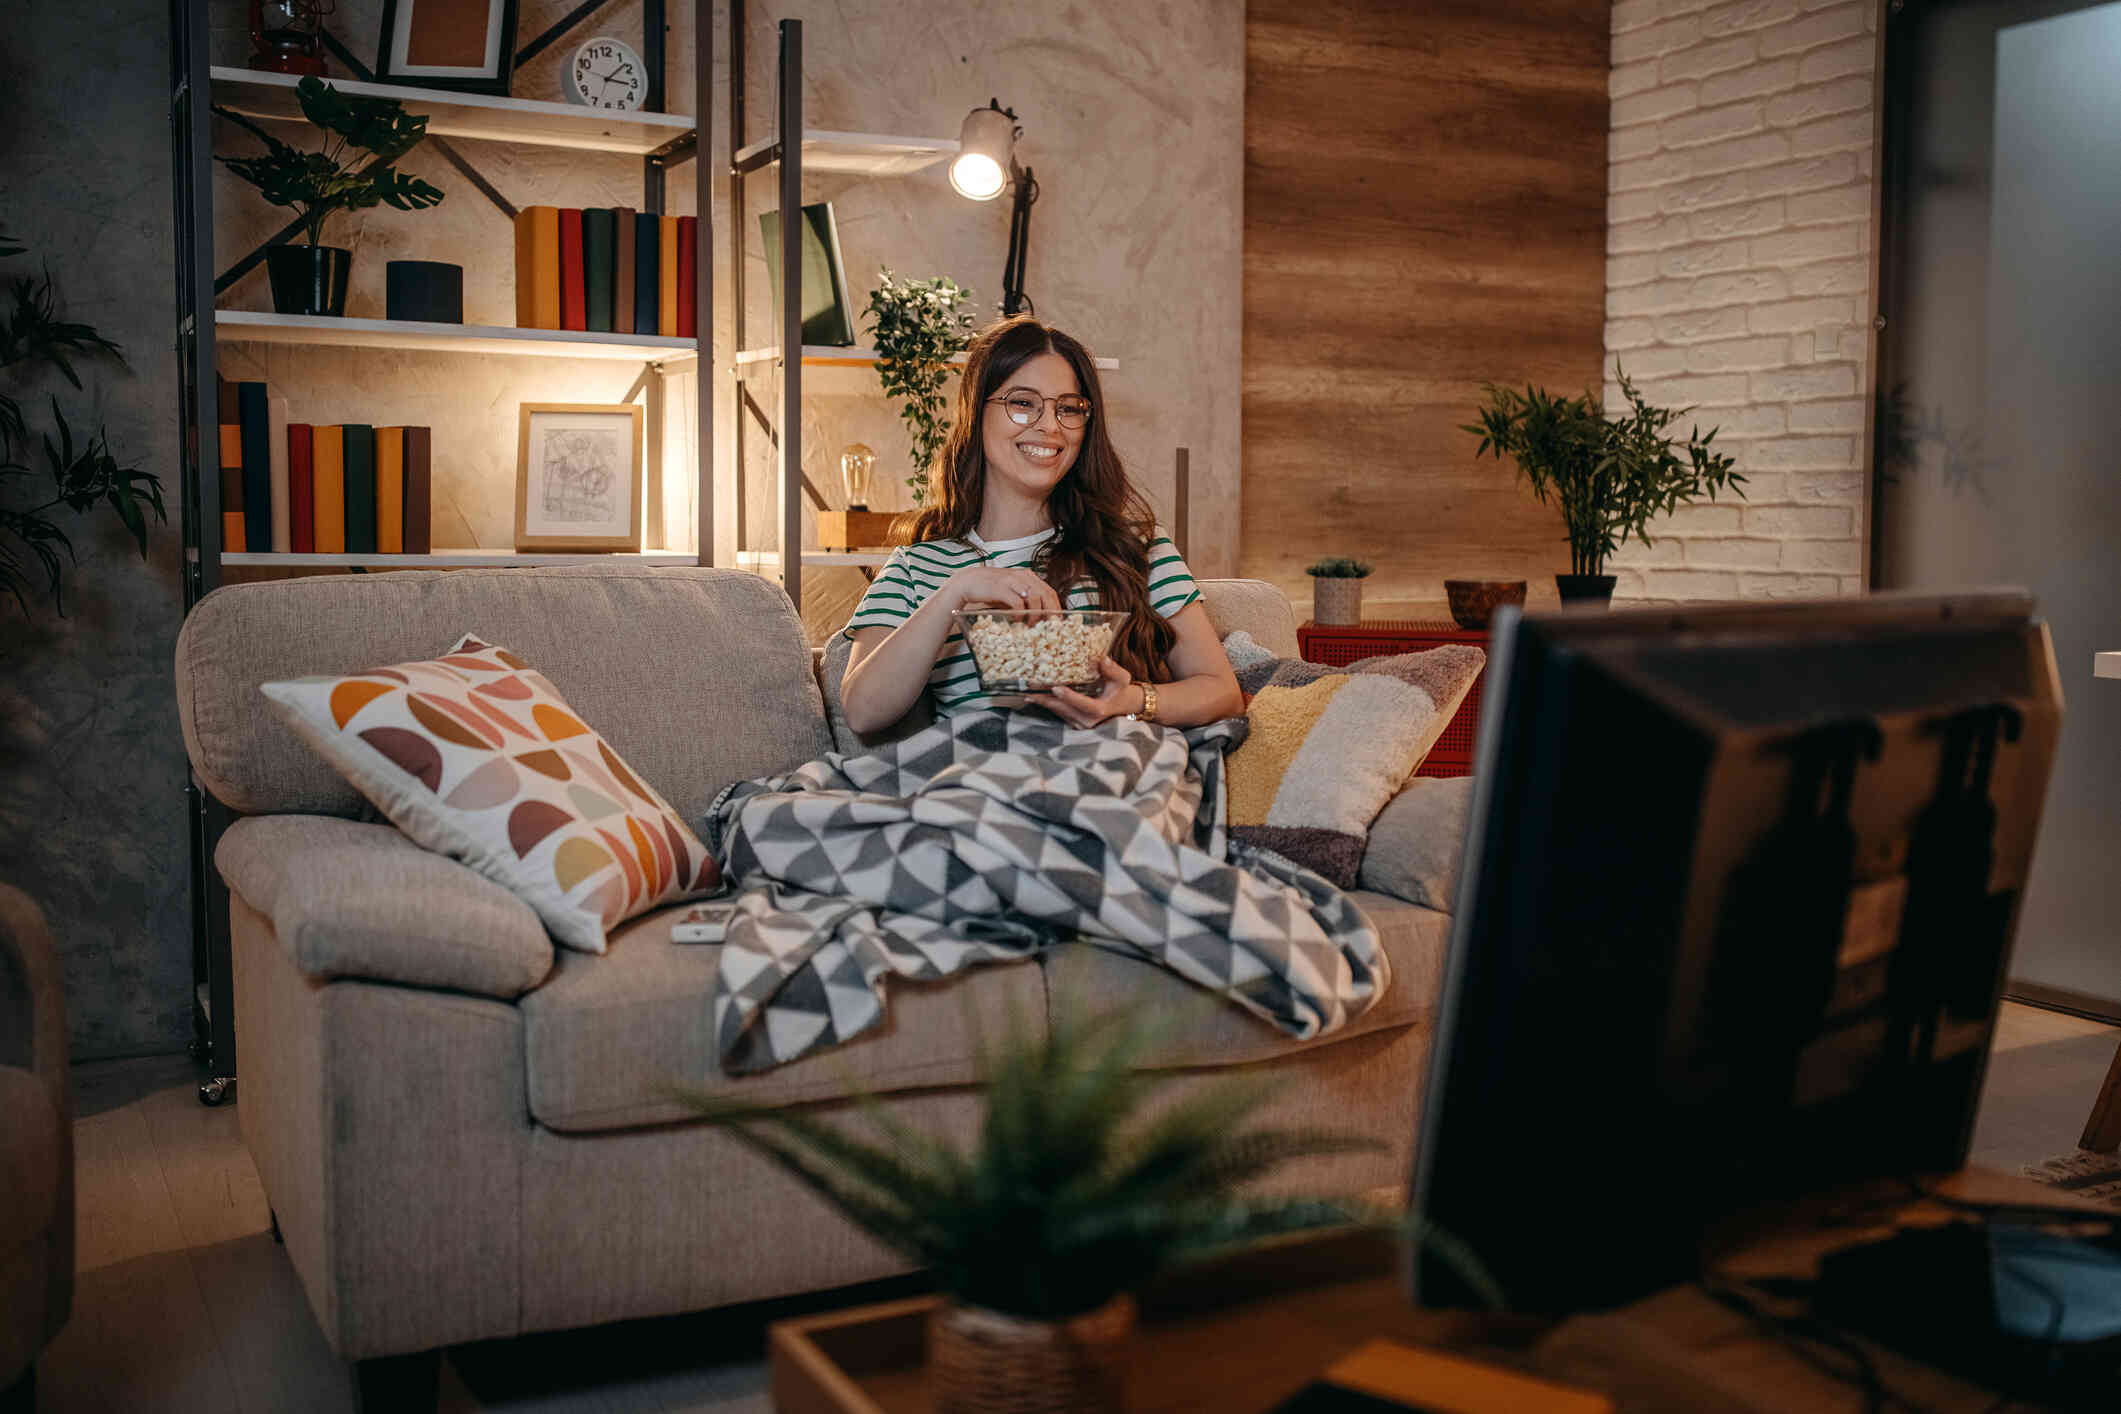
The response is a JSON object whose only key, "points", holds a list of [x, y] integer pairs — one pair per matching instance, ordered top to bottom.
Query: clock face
{"points": [[606, 73]]}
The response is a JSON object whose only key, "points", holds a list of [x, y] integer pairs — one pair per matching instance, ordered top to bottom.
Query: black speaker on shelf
{"points": [[431, 291]]}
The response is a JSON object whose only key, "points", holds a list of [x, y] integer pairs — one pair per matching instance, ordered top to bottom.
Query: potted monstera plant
{"points": [[311, 278], [1611, 474], [1082, 1184]]}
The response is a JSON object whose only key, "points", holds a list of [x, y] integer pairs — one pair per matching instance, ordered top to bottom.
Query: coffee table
{"points": [[1245, 1333]]}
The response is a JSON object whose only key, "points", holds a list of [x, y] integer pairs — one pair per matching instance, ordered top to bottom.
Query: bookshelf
{"points": [[659, 139]]}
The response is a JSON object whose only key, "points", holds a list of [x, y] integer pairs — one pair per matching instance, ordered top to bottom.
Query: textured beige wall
{"points": [[1135, 131]]}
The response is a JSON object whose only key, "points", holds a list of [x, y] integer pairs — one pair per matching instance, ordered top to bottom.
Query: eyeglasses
{"points": [[1025, 407]]}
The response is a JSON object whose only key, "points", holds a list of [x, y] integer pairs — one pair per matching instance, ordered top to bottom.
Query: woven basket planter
{"points": [[1336, 601], [984, 1362]]}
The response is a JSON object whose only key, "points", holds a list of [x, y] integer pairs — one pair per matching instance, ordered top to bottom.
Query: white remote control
{"points": [[701, 925]]}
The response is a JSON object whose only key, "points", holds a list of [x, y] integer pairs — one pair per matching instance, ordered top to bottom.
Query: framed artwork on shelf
{"points": [[468, 46], [578, 476]]}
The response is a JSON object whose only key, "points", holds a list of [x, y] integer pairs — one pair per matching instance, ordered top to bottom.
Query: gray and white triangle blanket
{"points": [[992, 835]]}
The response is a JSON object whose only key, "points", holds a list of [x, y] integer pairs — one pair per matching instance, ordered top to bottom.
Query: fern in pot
{"points": [[918, 326], [1610, 475], [1336, 589], [1076, 1191]]}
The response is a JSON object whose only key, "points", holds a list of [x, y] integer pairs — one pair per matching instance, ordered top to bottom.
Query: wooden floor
{"points": [[184, 1303]]}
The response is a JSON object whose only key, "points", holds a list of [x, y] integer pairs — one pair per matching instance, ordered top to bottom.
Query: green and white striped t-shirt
{"points": [[916, 571]]}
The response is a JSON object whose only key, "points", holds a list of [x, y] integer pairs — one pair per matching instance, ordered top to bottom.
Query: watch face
{"points": [[606, 73]]}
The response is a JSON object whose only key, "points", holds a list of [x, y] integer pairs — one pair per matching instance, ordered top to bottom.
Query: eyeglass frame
{"points": [[1089, 408]]}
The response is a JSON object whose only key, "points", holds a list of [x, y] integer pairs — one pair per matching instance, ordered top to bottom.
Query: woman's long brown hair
{"points": [[1102, 524]]}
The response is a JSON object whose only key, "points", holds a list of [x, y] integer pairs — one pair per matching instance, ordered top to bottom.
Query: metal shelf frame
{"points": [[199, 482]]}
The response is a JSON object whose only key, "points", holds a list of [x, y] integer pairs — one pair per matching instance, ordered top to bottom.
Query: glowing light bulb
{"points": [[976, 175], [857, 468]]}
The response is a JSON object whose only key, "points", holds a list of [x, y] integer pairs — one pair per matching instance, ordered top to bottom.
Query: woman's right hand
{"points": [[983, 585]]}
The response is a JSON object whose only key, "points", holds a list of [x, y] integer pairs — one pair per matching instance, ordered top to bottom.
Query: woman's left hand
{"points": [[1079, 709]]}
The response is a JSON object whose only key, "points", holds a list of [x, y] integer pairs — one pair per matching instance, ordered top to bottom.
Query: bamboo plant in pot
{"points": [[311, 278], [1611, 475], [1076, 1191]]}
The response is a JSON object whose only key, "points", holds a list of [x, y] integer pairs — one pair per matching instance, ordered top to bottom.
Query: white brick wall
{"points": [[1738, 278]]}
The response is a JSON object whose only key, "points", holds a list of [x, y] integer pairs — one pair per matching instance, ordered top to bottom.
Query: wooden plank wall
{"points": [[1424, 211]]}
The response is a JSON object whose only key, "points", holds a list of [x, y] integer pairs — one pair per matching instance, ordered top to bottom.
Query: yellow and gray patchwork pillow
{"points": [[1330, 746], [475, 755]]}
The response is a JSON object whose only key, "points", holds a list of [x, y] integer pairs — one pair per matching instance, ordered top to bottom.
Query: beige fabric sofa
{"points": [[466, 1133], [36, 1149]]}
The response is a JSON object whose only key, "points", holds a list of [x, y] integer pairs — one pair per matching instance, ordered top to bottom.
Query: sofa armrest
{"points": [[1416, 841], [349, 899]]}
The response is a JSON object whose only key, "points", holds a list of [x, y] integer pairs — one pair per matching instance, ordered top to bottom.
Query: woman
{"points": [[1032, 510]]}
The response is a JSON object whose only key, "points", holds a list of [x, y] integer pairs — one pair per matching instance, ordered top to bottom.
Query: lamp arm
{"points": [[1014, 300]]}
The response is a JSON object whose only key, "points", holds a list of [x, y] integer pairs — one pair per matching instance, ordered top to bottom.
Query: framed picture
{"points": [[466, 45], [578, 476]]}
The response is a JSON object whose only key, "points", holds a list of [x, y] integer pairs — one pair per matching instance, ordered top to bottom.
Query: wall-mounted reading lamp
{"points": [[984, 166]]}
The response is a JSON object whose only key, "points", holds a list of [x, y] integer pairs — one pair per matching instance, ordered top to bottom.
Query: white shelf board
{"points": [[257, 94], [862, 154], [245, 326], [833, 356], [453, 559], [771, 559], [2106, 665]]}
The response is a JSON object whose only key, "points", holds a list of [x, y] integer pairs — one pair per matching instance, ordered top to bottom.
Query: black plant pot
{"points": [[308, 279], [1586, 588]]}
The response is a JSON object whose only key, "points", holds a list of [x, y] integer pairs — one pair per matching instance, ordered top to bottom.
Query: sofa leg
{"points": [[398, 1384], [21, 1396]]}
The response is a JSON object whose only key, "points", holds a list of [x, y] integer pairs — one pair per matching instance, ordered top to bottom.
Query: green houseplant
{"points": [[311, 278], [917, 327], [34, 340], [1611, 474], [1336, 589], [1076, 1191]]}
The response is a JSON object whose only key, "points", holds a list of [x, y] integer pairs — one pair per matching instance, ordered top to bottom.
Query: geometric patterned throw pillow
{"points": [[1330, 747], [475, 755]]}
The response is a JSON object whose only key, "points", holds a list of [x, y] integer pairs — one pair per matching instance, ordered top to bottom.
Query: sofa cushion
{"points": [[1254, 607], [697, 677], [1330, 746], [475, 755], [1416, 841], [348, 899], [1204, 1030], [609, 1036]]}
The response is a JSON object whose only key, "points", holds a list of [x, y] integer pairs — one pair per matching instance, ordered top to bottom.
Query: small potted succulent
{"points": [[311, 278], [1611, 475], [1336, 589], [1084, 1182]]}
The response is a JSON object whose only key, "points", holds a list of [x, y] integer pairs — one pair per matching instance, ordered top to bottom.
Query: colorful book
{"points": [[600, 238], [538, 267], [622, 271], [688, 276], [666, 277], [647, 299], [573, 314], [256, 422], [359, 453], [276, 454], [230, 464], [328, 485], [390, 490], [301, 491], [419, 491]]}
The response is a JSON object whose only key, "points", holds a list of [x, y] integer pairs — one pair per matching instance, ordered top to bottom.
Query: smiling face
{"points": [[1032, 460]]}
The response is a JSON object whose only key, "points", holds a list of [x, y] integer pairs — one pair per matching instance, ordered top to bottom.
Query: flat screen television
{"points": [[1734, 913]]}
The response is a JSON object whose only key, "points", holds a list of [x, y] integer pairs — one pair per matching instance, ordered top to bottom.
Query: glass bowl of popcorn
{"points": [[1024, 651]]}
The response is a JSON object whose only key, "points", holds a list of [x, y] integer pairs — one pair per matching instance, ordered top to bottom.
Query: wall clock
{"points": [[606, 73]]}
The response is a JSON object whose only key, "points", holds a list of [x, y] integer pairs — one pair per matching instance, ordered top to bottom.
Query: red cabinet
{"points": [[1337, 645]]}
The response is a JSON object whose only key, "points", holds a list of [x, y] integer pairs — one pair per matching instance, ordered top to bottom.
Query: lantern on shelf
{"points": [[287, 36]]}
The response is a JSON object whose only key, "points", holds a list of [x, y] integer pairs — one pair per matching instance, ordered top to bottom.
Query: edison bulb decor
{"points": [[857, 467]]}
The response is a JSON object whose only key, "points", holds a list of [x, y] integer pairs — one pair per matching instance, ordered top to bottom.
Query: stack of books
{"points": [[606, 270], [349, 488]]}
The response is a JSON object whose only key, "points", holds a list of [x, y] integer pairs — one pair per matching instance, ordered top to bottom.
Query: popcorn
{"points": [[1032, 650]]}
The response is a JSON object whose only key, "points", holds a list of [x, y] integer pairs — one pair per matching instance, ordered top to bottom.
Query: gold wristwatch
{"points": [[1148, 711]]}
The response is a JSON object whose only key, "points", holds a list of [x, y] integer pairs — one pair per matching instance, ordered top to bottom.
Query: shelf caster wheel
{"points": [[216, 1091]]}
